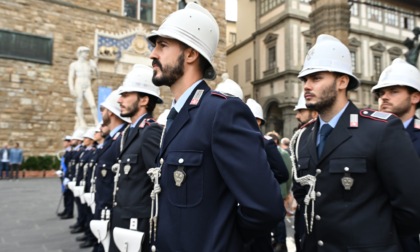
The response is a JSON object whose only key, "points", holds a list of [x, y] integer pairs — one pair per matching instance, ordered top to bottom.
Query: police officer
{"points": [[398, 92], [304, 115], [108, 157], [70, 160], [358, 168], [279, 169], [62, 172], [82, 181], [214, 188], [131, 207]]}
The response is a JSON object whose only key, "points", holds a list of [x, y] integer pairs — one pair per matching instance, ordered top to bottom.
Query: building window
{"points": [[268, 5], [139, 9], [354, 9], [374, 13], [391, 18], [407, 22], [232, 37], [272, 58], [353, 61], [377, 61], [248, 70], [235, 73]]}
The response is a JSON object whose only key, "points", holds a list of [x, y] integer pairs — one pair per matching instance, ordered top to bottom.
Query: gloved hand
{"points": [[59, 173], [66, 181]]}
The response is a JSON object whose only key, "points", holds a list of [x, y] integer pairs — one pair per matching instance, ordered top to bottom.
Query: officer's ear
{"points": [[343, 81], [415, 98]]}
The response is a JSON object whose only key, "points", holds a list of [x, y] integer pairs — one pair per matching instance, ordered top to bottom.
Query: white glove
{"points": [[59, 173], [66, 181]]}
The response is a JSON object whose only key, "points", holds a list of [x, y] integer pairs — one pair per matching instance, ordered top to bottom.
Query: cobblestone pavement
{"points": [[28, 220]]}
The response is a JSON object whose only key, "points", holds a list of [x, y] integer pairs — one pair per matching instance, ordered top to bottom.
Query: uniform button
{"points": [[365, 112], [128, 160], [161, 161], [181, 161], [104, 165], [346, 169], [318, 171], [318, 194], [115, 203], [317, 217], [320, 243]]}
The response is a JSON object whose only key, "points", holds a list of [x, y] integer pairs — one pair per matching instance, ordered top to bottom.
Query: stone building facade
{"points": [[273, 37], [36, 108]]}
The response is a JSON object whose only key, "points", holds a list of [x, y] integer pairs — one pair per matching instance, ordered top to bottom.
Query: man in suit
{"points": [[398, 92], [357, 169], [104, 176], [215, 187], [131, 206]]}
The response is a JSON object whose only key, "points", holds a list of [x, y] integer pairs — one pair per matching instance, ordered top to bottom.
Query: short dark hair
{"points": [[152, 102]]}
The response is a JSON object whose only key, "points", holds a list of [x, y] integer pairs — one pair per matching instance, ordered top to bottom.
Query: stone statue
{"points": [[413, 46], [81, 74]]}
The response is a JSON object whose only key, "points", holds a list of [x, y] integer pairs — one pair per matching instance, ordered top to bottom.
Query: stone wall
{"points": [[36, 108]]}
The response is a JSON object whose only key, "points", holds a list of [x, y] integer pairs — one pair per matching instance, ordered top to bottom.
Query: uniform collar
{"points": [[184, 97]]}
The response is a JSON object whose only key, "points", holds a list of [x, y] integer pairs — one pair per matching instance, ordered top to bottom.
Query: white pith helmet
{"points": [[195, 27], [331, 55], [399, 73], [139, 79], [229, 86], [111, 103], [301, 103], [256, 109], [162, 117], [89, 133], [78, 134], [67, 138]]}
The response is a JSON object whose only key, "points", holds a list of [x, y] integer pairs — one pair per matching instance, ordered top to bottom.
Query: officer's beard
{"points": [[169, 74], [326, 99], [132, 110]]}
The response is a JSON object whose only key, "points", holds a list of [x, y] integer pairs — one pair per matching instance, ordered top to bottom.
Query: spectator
{"points": [[5, 159], [16, 159]]}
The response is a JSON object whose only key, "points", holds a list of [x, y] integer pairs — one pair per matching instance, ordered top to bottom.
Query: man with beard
{"points": [[398, 92], [303, 114], [140, 147], [108, 156], [356, 178], [215, 190]]}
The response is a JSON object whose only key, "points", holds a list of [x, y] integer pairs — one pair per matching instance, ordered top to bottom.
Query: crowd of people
{"points": [[203, 177]]}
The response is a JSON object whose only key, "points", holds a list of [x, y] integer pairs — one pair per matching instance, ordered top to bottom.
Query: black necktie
{"points": [[171, 116], [323, 134]]}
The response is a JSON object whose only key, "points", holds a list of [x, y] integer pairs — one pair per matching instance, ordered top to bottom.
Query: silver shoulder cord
{"points": [[116, 167], [154, 174], [304, 180]]}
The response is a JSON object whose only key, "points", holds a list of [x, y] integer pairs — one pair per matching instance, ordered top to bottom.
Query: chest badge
{"points": [[127, 168], [104, 172], [179, 174], [347, 181]]}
